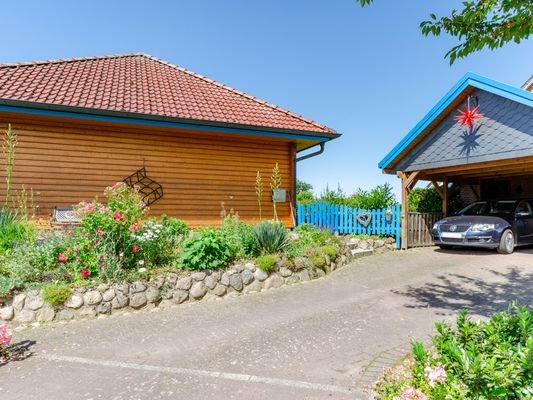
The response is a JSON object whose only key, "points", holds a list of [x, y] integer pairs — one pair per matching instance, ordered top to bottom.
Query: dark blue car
{"points": [[497, 224]]}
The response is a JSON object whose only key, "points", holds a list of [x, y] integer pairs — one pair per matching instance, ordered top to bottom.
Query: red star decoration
{"points": [[468, 116]]}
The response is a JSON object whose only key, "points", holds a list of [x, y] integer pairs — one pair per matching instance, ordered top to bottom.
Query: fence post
{"points": [[398, 225]]}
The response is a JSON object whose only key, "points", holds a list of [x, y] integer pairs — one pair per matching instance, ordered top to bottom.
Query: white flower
{"points": [[141, 262], [142, 270]]}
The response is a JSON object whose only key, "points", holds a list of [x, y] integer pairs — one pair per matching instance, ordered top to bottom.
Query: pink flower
{"points": [[84, 208], [118, 216], [134, 227], [99, 232], [135, 248], [62, 257], [85, 272], [5, 336], [435, 374], [412, 394]]}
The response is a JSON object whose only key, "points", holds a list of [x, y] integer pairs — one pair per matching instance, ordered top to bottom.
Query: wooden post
{"points": [[408, 182], [445, 196]]}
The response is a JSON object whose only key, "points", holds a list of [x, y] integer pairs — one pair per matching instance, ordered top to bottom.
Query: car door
{"points": [[524, 221]]}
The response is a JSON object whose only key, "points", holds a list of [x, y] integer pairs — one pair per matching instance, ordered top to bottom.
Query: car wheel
{"points": [[506, 242], [444, 246]]}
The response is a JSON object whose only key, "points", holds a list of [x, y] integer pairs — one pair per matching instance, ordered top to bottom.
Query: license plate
{"points": [[452, 235]]}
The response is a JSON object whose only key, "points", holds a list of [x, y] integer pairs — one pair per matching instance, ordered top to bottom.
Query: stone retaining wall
{"points": [[173, 288]]}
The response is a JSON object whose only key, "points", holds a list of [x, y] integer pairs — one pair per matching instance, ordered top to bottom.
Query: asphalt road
{"points": [[325, 339]]}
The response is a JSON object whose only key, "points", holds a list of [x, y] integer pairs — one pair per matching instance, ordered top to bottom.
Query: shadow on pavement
{"points": [[480, 251], [455, 292], [17, 352]]}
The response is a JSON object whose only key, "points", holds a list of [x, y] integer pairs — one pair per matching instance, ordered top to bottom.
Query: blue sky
{"points": [[368, 73]]}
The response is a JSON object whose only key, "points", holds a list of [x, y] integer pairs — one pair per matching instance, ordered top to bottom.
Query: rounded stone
{"points": [[379, 243], [363, 244], [250, 266], [333, 266], [238, 267], [285, 272], [319, 272], [216, 275], [260, 275], [304, 275], [198, 276], [247, 276], [172, 278], [224, 279], [291, 280], [235, 281], [273, 281], [210, 282], [184, 283], [102, 287], [123, 287], [137, 287], [253, 287], [81, 289], [198, 290], [219, 290], [108, 295], [152, 295], [180, 296], [92, 297], [138, 300], [18, 301], [119, 301], [75, 302], [33, 303], [103, 308], [87, 312], [7, 313], [45, 314], [65, 315], [25, 316]]}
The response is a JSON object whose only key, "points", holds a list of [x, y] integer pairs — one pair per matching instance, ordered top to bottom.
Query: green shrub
{"points": [[174, 229], [13, 230], [240, 236], [271, 237], [319, 237], [206, 250], [330, 251], [318, 260], [267, 262], [7, 285], [56, 295], [473, 360]]}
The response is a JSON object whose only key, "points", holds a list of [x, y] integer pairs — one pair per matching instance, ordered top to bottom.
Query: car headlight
{"points": [[436, 226], [482, 227]]}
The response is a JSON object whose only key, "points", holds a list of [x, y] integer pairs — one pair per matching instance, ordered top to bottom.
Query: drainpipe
{"points": [[316, 153], [296, 159]]}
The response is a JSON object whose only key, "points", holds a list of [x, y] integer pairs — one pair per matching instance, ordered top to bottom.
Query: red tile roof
{"points": [[142, 84]]}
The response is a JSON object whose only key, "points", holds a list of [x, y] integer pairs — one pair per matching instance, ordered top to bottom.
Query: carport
{"points": [[488, 151]]}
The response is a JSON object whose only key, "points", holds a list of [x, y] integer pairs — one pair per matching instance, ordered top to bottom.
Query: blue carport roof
{"points": [[468, 80]]}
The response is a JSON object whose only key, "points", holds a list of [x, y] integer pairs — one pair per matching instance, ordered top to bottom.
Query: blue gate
{"points": [[344, 220]]}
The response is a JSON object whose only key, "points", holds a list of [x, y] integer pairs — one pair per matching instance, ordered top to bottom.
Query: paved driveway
{"points": [[323, 339]]}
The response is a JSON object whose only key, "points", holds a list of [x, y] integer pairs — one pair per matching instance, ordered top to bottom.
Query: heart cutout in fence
{"points": [[364, 219]]}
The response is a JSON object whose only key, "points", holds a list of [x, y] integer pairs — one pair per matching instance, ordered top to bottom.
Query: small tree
{"points": [[481, 24], [9, 145], [275, 184]]}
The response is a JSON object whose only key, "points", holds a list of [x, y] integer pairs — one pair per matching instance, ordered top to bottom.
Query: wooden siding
{"points": [[66, 162]]}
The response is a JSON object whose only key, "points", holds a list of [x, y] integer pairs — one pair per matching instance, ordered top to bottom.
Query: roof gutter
{"points": [[314, 154]]}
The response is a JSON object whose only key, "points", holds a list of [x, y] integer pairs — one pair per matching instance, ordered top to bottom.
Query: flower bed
{"points": [[116, 242], [173, 288], [473, 360]]}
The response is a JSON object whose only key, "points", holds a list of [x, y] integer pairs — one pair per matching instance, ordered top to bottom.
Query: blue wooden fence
{"points": [[343, 219]]}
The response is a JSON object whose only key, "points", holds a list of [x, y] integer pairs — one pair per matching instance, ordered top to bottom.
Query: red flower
{"points": [[468, 117], [118, 216], [99, 231], [135, 248], [62, 258], [85, 272]]}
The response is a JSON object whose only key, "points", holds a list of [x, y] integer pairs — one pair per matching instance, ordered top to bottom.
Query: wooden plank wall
{"points": [[67, 163]]}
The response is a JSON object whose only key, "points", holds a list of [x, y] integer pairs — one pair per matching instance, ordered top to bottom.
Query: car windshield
{"points": [[489, 208]]}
